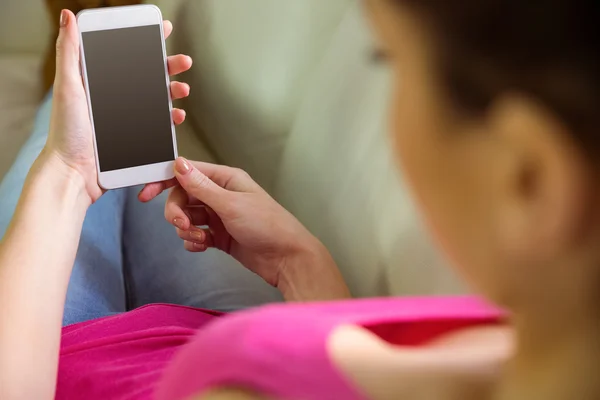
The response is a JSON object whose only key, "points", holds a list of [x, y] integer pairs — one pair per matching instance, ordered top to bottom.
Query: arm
{"points": [[215, 206], [38, 251], [36, 258], [311, 274]]}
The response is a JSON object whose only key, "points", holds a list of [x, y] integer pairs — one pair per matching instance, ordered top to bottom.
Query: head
{"points": [[495, 119]]}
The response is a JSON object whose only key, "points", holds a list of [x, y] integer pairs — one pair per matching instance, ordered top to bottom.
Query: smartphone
{"points": [[125, 72]]}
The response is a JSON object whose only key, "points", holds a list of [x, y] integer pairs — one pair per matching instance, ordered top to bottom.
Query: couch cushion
{"points": [[169, 8], [24, 26], [24, 36], [252, 63], [19, 99], [338, 175]]}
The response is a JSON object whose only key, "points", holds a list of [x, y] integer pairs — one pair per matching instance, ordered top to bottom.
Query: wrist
{"points": [[53, 174], [311, 274]]}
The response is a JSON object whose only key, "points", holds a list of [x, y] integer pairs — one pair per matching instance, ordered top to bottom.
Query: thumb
{"points": [[67, 52], [199, 185]]}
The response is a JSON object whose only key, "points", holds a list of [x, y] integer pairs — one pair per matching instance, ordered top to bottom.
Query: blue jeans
{"points": [[129, 256]]}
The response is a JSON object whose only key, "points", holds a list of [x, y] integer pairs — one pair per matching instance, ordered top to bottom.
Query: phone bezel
{"points": [[117, 18]]}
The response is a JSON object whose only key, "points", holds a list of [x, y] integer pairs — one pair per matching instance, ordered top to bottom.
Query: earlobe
{"points": [[544, 176]]}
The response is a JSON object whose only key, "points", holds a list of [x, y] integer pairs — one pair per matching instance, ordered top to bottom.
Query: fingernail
{"points": [[64, 18], [183, 166], [179, 223], [197, 236]]}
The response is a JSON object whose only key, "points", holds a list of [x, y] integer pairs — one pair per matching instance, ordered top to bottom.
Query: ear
{"points": [[545, 189]]}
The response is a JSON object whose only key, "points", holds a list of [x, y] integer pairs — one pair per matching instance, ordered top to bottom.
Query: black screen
{"points": [[129, 96]]}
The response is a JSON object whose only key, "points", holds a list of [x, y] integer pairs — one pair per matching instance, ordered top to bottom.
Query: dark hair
{"points": [[548, 49]]}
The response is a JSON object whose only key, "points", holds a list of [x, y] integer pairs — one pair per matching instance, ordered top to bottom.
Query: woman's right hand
{"points": [[222, 207]]}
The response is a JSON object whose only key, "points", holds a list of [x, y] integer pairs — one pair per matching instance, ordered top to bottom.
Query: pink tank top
{"points": [[167, 352]]}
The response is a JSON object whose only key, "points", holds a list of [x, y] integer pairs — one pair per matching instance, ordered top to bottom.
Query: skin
{"points": [[62, 184], [508, 195], [510, 199], [241, 219], [38, 250]]}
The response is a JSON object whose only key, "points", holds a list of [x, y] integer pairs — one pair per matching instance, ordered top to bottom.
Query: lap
{"points": [[130, 256], [159, 270], [96, 287]]}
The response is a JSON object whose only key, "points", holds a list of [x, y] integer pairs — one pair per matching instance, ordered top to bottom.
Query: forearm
{"points": [[36, 259], [312, 275]]}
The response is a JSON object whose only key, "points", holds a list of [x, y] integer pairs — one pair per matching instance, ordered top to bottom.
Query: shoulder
{"points": [[433, 371], [230, 394]]}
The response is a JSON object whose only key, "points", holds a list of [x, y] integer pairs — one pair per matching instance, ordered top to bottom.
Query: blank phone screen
{"points": [[129, 96]]}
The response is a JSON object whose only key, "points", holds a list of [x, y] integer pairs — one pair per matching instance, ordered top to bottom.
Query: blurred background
{"points": [[285, 89]]}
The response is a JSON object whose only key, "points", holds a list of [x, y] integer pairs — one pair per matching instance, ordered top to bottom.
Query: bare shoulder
{"points": [[460, 366], [463, 366], [230, 394]]}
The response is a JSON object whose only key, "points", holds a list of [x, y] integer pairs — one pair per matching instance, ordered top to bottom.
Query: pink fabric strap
{"points": [[281, 350]]}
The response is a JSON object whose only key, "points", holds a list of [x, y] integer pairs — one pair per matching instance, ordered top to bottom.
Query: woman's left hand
{"points": [[70, 139]]}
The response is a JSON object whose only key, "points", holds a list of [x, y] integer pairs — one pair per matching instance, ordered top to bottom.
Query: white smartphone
{"points": [[125, 72]]}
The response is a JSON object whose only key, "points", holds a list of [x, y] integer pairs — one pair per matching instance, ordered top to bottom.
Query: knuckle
{"points": [[58, 46], [242, 174], [200, 181], [171, 213], [190, 247]]}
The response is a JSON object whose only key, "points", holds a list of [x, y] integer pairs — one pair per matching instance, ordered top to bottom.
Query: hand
{"points": [[70, 139], [222, 207]]}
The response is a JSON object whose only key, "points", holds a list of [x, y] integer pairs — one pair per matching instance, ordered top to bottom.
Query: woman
{"points": [[494, 125]]}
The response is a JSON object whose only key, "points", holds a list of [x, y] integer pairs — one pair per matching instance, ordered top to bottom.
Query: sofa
{"points": [[285, 90]]}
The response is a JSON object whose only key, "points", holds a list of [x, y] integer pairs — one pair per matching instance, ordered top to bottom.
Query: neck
{"points": [[556, 358]]}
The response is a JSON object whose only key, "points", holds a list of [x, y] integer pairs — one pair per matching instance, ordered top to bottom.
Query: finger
{"points": [[167, 28], [179, 63], [68, 77], [179, 90], [179, 116], [229, 178], [200, 186], [153, 190], [174, 209], [198, 215], [220, 235], [199, 236], [195, 247]]}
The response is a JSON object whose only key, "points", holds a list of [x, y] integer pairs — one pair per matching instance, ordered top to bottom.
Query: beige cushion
{"points": [[169, 8], [24, 26], [24, 36], [253, 60], [19, 99], [190, 144], [338, 175]]}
